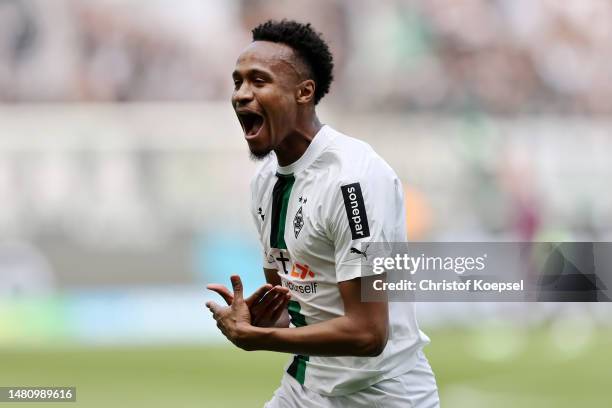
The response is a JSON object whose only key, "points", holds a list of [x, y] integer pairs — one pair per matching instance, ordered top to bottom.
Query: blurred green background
{"points": [[124, 185], [528, 370]]}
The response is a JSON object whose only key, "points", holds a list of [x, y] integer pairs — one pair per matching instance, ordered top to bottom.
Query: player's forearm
{"points": [[342, 336]]}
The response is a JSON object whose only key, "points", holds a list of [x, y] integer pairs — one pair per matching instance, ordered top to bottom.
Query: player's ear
{"points": [[305, 91]]}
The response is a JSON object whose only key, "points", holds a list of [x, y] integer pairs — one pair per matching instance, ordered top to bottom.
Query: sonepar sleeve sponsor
{"points": [[355, 210]]}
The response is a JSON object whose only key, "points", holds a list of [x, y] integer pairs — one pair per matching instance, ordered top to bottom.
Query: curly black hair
{"points": [[309, 46]]}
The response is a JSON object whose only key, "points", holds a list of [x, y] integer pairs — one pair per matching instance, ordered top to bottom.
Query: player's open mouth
{"points": [[251, 123]]}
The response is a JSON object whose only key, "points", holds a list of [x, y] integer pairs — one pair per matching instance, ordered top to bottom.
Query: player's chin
{"points": [[259, 144], [258, 152]]}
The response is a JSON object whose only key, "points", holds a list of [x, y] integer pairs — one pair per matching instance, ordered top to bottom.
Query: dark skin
{"points": [[272, 82], [267, 305]]}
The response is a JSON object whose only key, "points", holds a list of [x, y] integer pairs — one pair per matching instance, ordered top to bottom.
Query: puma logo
{"points": [[362, 253]]}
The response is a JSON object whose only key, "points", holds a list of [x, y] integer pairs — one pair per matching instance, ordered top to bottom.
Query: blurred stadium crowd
{"points": [[505, 57], [491, 112], [114, 216]]}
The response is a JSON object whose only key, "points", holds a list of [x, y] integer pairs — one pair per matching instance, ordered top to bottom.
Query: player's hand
{"points": [[266, 304], [267, 311], [234, 320]]}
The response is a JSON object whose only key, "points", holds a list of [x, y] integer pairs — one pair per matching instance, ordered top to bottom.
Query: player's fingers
{"points": [[237, 286], [280, 289], [222, 291], [259, 293], [274, 294], [280, 294], [269, 299], [214, 308], [280, 308], [258, 312], [271, 314]]}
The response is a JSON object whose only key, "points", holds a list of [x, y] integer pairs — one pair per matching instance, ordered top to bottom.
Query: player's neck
{"points": [[296, 143]]}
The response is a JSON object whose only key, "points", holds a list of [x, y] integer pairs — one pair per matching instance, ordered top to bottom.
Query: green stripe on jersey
{"points": [[280, 203], [297, 318], [297, 368], [300, 374]]}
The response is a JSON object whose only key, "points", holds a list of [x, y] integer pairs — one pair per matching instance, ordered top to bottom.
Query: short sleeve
{"points": [[364, 211], [267, 263]]}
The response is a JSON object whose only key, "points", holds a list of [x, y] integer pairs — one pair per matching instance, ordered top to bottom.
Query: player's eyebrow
{"points": [[252, 72], [258, 72]]}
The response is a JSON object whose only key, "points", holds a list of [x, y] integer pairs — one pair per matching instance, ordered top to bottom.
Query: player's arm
{"points": [[272, 277], [362, 331]]}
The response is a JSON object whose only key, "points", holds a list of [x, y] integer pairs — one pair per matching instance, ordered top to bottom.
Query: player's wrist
{"points": [[247, 336]]}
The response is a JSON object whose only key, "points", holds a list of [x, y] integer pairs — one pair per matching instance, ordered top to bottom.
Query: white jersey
{"points": [[314, 219]]}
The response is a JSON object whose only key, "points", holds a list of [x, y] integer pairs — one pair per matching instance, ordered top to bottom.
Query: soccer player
{"points": [[318, 200]]}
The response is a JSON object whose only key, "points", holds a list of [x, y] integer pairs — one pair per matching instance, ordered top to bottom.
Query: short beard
{"points": [[259, 156]]}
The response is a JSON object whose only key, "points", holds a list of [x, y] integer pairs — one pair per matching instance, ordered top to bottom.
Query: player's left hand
{"points": [[266, 305], [233, 320]]}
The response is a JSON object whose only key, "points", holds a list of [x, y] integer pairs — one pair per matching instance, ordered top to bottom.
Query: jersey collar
{"points": [[314, 149]]}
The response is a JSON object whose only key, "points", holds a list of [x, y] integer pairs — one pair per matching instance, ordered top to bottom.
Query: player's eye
{"points": [[259, 81], [237, 84]]}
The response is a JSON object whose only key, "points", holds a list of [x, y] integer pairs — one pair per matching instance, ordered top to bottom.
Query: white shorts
{"points": [[414, 389]]}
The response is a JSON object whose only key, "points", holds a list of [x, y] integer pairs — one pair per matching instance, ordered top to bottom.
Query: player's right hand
{"points": [[266, 304]]}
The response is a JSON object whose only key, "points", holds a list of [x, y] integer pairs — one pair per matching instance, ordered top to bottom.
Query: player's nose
{"points": [[242, 95]]}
